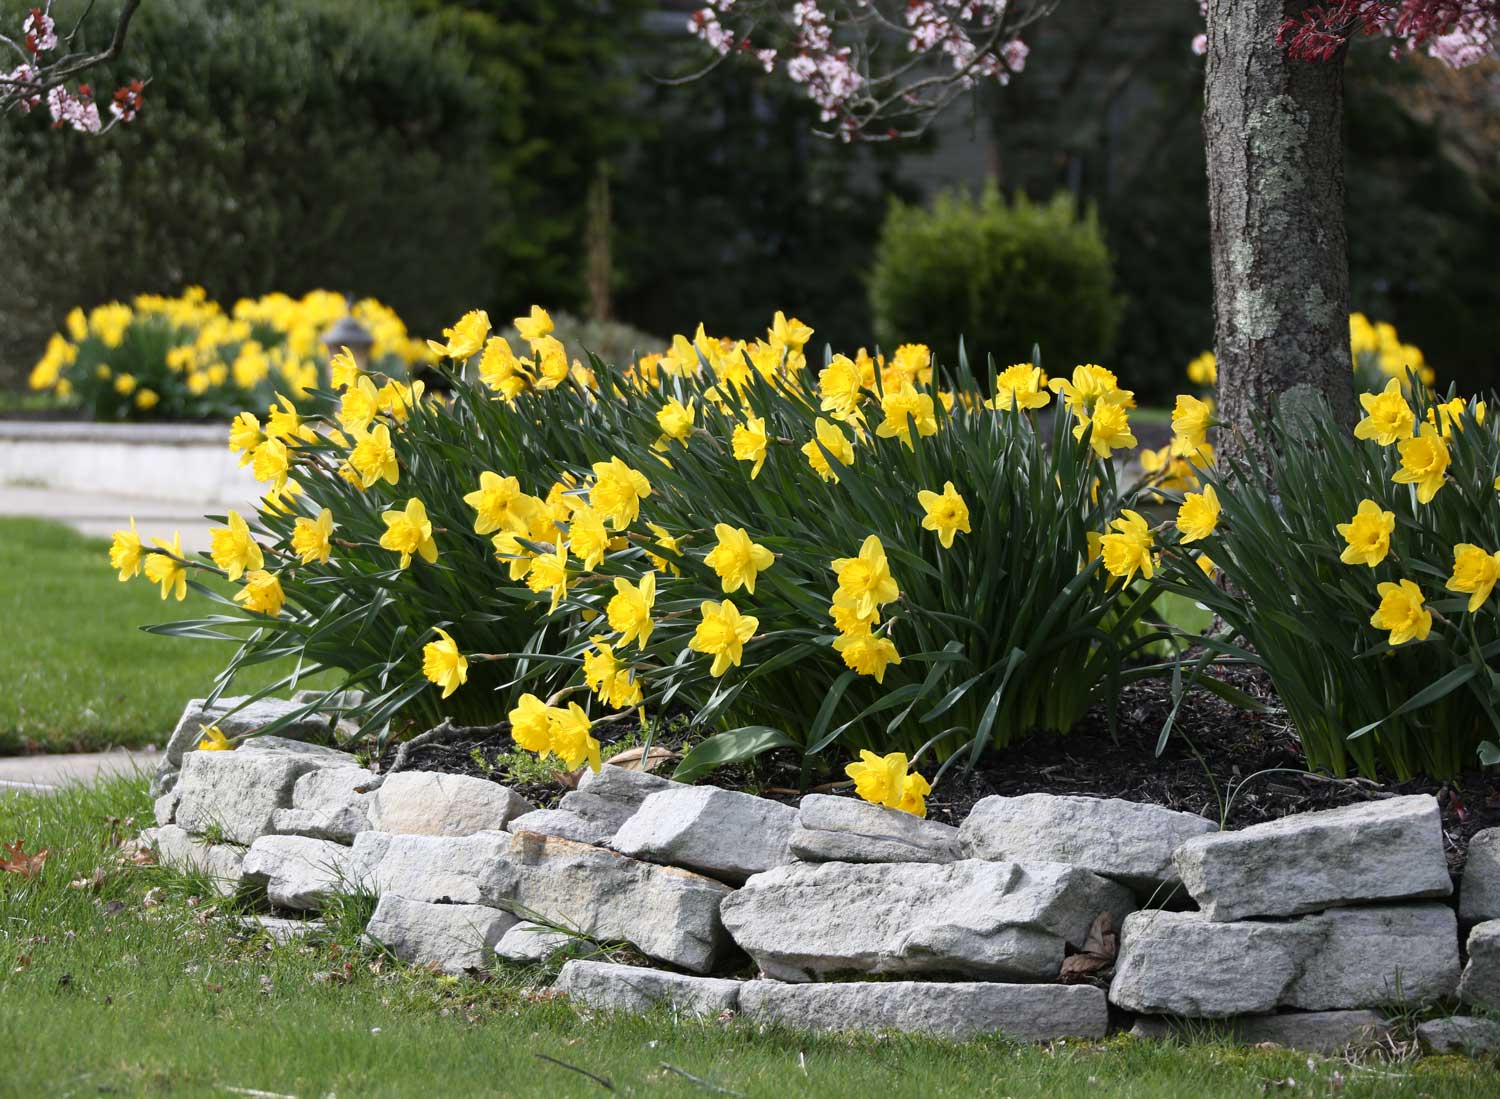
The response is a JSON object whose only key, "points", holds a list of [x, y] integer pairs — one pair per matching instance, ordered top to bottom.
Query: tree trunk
{"points": [[1274, 133]]}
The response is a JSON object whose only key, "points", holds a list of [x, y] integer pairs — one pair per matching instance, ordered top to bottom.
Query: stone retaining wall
{"points": [[187, 463], [1300, 931]]}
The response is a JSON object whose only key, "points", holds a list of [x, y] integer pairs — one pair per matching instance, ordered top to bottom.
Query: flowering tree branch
{"points": [[48, 64], [881, 70]]}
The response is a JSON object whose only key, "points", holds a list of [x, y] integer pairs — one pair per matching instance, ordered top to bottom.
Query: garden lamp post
{"points": [[348, 332]]}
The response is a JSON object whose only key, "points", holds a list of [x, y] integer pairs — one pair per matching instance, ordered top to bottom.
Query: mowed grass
{"points": [[76, 671], [131, 985]]}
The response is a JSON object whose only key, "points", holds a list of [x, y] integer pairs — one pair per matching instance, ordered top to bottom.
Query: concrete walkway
{"points": [[99, 516], [48, 773]]}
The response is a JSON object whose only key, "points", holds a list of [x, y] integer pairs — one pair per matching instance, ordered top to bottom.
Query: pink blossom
{"points": [[40, 31]]}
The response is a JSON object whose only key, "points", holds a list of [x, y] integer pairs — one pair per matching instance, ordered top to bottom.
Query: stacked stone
{"points": [[1330, 913], [1297, 931], [1479, 986]]}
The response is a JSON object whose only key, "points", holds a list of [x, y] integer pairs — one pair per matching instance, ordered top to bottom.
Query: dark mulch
{"points": [[1216, 754]]}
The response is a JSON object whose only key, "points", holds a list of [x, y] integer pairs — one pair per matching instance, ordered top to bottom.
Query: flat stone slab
{"points": [[251, 719], [235, 794], [331, 803], [430, 803], [563, 825], [834, 829], [722, 833], [1127, 841], [1375, 851], [221, 863], [438, 869], [299, 872], [1479, 891], [664, 912], [1005, 921], [280, 929], [455, 938], [531, 942], [1183, 963], [1480, 984], [635, 989], [1028, 1013], [1311, 1031], [1460, 1034]]}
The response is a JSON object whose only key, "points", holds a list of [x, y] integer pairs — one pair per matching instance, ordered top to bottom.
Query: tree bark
{"points": [[1274, 133]]}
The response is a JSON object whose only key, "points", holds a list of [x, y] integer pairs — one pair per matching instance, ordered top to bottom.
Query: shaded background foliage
{"points": [[443, 154]]}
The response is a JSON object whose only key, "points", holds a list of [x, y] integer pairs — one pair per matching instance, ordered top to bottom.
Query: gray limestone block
{"points": [[235, 794], [431, 803], [834, 829], [722, 833], [1130, 842], [1376, 851], [221, 863], [437, 869], [299, 872], [1479, 891], [973, 918], [455, 938], [531, 942], [1183, 963], [1480, 984], [636, 989], [1025, 1012], [1311, 1031], [1461, 1034]]}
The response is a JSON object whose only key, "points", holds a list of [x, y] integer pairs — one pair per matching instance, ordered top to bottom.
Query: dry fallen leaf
{"points": [[636, 759], [15, 860], [1097, 955]]}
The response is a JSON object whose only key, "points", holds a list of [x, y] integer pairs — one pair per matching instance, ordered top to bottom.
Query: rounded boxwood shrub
{"points": [[1002, 275]]}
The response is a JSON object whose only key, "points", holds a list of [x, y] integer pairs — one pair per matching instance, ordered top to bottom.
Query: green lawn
{"points": [[76, 672], [128, 986]]}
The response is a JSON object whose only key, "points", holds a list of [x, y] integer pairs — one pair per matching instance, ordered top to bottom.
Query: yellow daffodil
{"points": [[534, 325], [790, 333], [465, 338], [550, 366], [343, 369], [500, 370], [1204, 370], [840, 385], [1089, 385], [1021, 386], [147, 399], [397, 399], [358, 406], [902, 408], [1388, 418], [1191, 419], [282, 420], [676, 420], [1111, 428], [244, 436], [830, 439], [749, 444], [374, 458], [271, 462], [1424, 462], [618, 491], [499, 504], [947, 513], [1199, 515], [409, 533], [1367, 535], [587, 537], [312, 539], [664, 540], [233, 548], [1126, 548], [125, 552], [737, 559], [168, 571], [1474, 571], [549, 572], [865, 581], [261, 593], [629, 609], [1401, 611], [847, 618], [722, 634], [866, 653], [443, 663], [614, 683], [531, 724], [212, 739], [572, 739], [887, 780]]}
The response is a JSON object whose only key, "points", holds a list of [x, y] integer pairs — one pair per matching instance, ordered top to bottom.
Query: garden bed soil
{"points": [[1217, 753]]}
